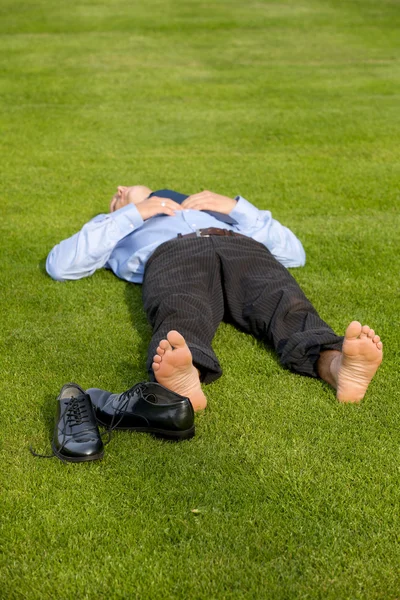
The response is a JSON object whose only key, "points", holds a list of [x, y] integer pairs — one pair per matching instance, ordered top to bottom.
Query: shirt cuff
{"points": [[244, 212], [127, 218]]}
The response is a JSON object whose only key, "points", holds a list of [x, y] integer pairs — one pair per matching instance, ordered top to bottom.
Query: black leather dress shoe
{"points": [[147, 407], [76, 434]]}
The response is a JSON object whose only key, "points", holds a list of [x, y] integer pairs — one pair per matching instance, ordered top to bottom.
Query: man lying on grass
{"points": [[204, 258]]}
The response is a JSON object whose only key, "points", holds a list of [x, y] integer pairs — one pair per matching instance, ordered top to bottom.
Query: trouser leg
{"points": [[182, 290], [264, 299]]}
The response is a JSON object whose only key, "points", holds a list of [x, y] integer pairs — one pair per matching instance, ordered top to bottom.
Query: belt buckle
{"points": [[199, 234]]}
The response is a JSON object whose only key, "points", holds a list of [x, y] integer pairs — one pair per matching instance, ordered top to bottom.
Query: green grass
{"points": [[295, 105]]}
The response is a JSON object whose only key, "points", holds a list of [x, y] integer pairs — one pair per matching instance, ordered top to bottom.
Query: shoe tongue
{"points": [[141, 390], [151, 398], [76, 399], [128, 399]]}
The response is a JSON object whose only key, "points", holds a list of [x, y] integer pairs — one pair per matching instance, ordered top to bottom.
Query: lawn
{"points": [[283, 493]]}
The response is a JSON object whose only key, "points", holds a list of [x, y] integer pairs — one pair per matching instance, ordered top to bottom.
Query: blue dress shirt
{"points": [[123, 242]]}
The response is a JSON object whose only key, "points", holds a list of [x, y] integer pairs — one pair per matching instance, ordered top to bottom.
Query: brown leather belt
{"points": [[211, 231]]}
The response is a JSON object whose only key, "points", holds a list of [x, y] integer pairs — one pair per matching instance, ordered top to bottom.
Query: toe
{"points": [[353, 330], [364, 331], [371, 333], [176, 339], [376, 339], [164, 345], [379, 345], [160, 351], [157, 358], [155, 366]]}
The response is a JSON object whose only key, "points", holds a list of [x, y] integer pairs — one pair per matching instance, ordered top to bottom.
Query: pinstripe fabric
{"points": [[191, 285]]}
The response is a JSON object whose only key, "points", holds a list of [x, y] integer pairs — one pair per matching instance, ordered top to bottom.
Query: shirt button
{"points": [[131, 226]]}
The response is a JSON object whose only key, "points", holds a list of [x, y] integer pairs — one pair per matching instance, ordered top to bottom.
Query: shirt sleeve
{"points": [[259, 225], [89, 249]]}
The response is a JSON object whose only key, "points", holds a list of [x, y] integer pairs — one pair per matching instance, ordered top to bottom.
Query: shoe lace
{"points": [[123, 403], [76, 413]]}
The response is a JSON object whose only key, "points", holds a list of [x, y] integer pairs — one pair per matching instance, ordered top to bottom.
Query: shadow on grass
{"points": [[42, 265], [133, 298], [47, 411]]}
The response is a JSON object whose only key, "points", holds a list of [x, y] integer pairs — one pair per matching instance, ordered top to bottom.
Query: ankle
{"points": [[328, 366]]}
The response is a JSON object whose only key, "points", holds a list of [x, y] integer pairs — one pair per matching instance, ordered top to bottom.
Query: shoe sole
{"points": [[161, 433], [77, 459]]}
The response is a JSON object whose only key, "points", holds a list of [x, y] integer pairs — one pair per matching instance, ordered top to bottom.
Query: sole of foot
{"points": [[360, 359], [173, 368]]}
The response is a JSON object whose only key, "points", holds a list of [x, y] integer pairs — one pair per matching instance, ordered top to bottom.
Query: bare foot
{"points": [[173, 368], [354, 368]]}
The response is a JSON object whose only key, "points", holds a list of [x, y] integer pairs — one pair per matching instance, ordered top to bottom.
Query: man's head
{"points": [[133, 194]]}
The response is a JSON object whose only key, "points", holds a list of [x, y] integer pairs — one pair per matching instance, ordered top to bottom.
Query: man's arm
{"points": [[255, 223], [260, 225], [89, 249]]}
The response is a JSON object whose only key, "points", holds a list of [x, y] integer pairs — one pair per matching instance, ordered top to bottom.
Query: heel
{"points": [[176, 436]]}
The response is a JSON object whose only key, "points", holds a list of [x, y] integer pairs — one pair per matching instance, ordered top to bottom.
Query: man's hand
{"points": [[129, 194], [210, 201], [157, 206]]}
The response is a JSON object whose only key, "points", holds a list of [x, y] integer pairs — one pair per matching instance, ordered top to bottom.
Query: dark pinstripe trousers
{"points": [[191, 285]]}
